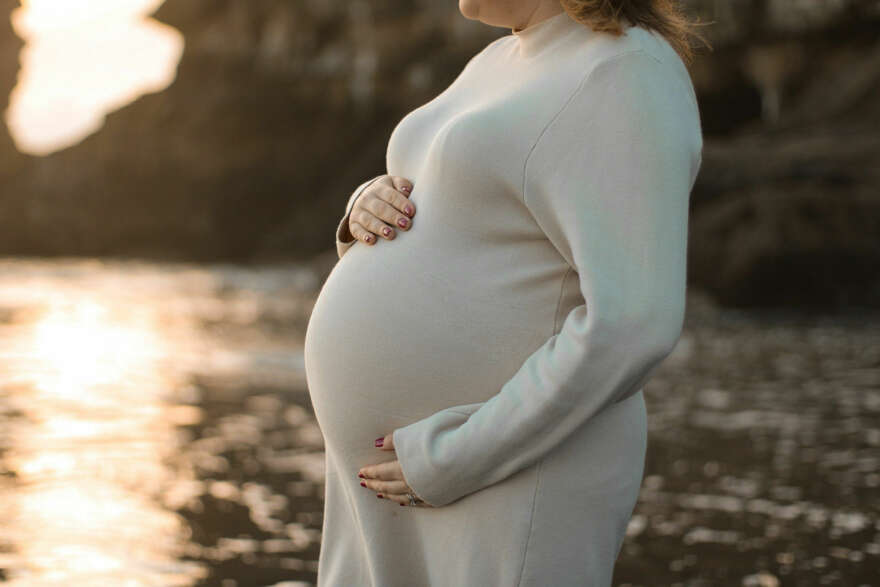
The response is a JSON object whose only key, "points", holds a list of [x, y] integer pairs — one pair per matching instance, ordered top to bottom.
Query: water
{"points": [[155, 429]]}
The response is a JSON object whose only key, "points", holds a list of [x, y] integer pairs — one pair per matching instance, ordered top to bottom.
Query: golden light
{"points": [[82, 60], [80, 346], [89, 457]]}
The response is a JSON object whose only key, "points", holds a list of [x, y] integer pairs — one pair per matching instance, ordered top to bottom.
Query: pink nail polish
{"points": [[408, 210], [403, 222], [380, 441], [361, 475], [363, 484]]}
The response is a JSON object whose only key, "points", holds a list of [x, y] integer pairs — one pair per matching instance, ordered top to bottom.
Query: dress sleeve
{"points": [[608, 181], [343, 245]]}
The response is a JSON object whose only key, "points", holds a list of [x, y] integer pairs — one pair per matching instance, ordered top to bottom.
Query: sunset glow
{"points": [[82, 60], [90, 458]]}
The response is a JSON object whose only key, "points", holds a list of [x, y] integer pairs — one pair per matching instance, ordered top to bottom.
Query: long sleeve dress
{"points": [[506, 338]]}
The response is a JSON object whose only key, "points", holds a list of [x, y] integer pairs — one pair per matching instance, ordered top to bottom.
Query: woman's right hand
{"points": [[383, 206]]}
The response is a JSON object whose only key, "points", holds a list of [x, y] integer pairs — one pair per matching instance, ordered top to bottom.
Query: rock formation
{"points": [[10, 44], [786, 210]]}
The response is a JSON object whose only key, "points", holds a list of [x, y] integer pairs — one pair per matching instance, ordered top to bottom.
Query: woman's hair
{"points": [[663, 16]]}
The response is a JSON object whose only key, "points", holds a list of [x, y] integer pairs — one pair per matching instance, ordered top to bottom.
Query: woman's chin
{"points": [[469, 8]]}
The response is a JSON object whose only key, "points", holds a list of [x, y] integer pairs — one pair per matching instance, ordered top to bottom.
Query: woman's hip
{"points": [[605, 455]]}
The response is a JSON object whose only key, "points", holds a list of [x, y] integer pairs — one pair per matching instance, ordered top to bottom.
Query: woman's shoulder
{"points": [[640, 57]]}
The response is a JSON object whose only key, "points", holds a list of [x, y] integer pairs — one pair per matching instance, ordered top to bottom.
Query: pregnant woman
{"points": [[483, 364]]}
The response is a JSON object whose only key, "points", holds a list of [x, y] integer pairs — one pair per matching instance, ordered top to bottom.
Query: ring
{"points": [[412, 499]]}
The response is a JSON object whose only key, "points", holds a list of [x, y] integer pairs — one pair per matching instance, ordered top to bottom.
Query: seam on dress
{"points": [[577, 89], [559, 300], [540, 462], [348, 498], [522, 566]]}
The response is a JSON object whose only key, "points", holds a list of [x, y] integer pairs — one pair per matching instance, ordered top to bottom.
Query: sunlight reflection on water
{"points": [[96, 366], [156, 429], [87, 453]]}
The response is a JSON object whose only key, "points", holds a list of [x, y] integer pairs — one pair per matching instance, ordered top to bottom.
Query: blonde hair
{"points": [[662, 16]]}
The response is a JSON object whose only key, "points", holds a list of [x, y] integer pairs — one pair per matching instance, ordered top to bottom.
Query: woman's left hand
{"points": [[386, 479]]}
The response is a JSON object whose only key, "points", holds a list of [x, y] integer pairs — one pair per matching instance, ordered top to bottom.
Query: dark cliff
{"points": [[10, 159]]}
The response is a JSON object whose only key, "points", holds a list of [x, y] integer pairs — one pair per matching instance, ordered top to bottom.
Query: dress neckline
{"points": [[539, 35]]}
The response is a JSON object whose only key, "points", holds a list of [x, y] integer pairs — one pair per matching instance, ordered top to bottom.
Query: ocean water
{"points": [[156, 429]]}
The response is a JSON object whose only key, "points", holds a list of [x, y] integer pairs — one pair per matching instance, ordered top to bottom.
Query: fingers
{"points": [[405, 186], [399, 197], [383, 207], [378, 216], [358, 231], [385, 442], [387, 471], [386, 479], [385, 487], [394, 491], [403, 499]]}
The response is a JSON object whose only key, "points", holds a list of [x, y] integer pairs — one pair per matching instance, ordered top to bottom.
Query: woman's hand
{"points": [[382, 205], [386, 479]]}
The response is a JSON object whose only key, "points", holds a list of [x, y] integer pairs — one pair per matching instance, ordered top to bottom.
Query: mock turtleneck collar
{"points": [[538, 35]]}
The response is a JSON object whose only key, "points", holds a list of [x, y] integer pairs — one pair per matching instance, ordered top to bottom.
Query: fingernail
{"points": [[406, 188], [408, 210], [403, 222], [386, 231], [368, 238], [380, 441], [361, 475], [363, 484], [379, 495], [403, 504]]}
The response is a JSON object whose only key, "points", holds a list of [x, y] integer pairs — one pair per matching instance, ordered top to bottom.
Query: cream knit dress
{"points": [[506, 338]]}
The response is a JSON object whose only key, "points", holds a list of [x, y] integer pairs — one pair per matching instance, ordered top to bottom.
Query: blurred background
{"points": [[171, 176]]}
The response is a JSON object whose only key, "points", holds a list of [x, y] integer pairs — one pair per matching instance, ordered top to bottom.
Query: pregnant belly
{"points": [[388, 343]]}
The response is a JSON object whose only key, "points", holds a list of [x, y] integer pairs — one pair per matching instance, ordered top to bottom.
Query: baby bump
{"points": [[387, 344]]}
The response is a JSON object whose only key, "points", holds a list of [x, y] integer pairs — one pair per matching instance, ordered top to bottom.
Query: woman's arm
{"points": [[608, 181], [344, 239]]}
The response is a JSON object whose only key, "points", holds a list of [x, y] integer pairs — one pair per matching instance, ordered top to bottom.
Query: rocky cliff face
{"points": [[9, 49], [279, 109], [787, 206]]}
